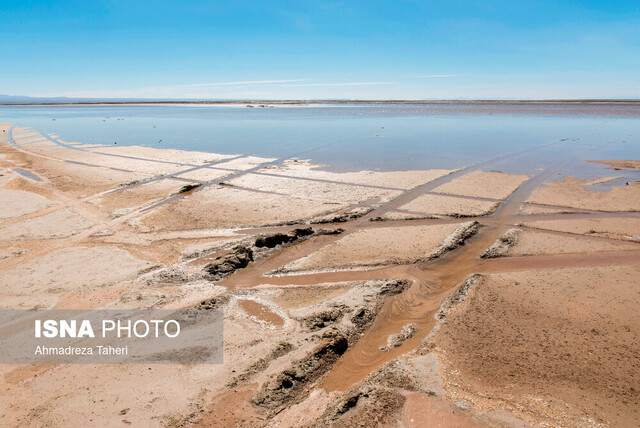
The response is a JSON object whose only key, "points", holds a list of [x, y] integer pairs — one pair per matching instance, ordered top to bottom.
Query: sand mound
{"points": [[394, 179], [495, 185], [318, 190], [570, 192], [16, 203], [450, 205], [223, 207], [58, 224], [617, 228], [535, 243], [380, 246], [70, 269], [583, 353]]}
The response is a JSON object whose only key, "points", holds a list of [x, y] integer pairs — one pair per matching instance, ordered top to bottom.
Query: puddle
{"points": [[27, 174], [262, 312]]}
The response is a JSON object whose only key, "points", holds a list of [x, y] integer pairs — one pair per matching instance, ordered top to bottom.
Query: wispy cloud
{"points": [[438, 75], [242, 83], [340, 84], [281, 88]]}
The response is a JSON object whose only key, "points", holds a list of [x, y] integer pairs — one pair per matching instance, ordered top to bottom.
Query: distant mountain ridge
{"points": [[23, 99]]}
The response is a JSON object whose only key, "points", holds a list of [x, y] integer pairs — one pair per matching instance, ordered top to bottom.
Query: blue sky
{"points": [[321, 49]]}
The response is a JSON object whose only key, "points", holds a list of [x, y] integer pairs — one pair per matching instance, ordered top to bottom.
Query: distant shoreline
{"points": [[255, 103]]}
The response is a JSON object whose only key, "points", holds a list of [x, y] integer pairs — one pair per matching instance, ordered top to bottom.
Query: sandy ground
{"points": [[244, 163], [619, 163], [204, 174], [392, 179], [495, 185], [322, 191], [572, 192], [121, 201], [16, 203], [449, 205], [224, 207], [539, 209], [58, 224], [613, 227], [536, 243], [380, 246], [43, 279], [366, 328], [555, 364]]}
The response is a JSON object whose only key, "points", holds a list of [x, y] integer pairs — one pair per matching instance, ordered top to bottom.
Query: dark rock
{"points": [[188, 188], [337, 231], [271, 241], [223, 266], [395, 287], [208, 304], [322, 319], [287, 385]]}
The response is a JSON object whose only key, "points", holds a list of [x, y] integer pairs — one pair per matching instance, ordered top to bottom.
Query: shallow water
{"points": [[353, 137]]}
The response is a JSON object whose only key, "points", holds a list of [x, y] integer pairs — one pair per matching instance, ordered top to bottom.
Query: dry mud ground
{"points": [[366, 303]]}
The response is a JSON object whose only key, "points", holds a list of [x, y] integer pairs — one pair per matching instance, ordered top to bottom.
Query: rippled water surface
{"points": [[352, 137]]}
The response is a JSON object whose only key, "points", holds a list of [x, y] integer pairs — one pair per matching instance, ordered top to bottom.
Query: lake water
{"points": [[353, 137]]}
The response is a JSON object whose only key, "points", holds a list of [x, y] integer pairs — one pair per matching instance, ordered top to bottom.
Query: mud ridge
{"points": [[342, 218], [456, 239], [263, 246], [500, 248], [456, 296], [292, 385]]}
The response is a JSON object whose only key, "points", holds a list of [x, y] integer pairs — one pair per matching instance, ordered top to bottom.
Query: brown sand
{"points": [[631, 164], [204, 174], [392, 179], [495, 185], [321, 191], [570, 192], [121, 201], [16, 203], [450, 205], [224, 207], [538, 209], [58, 224], [610, 227], [535, 243], [380, 246], [63, 271], [559, 364]]}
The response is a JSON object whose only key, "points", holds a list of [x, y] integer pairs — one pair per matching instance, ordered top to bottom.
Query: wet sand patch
{"points": [[244, 163], [630, 164], [204, 174], [393, 179], [495, 185], [334, 192], [570, 192], [121, 201], [16, 203], [450, 206], [223, 207], [58, 224], [610, 227], [536, 243], [375, 247], [69, 270], [261, 313], [543, 361]]}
